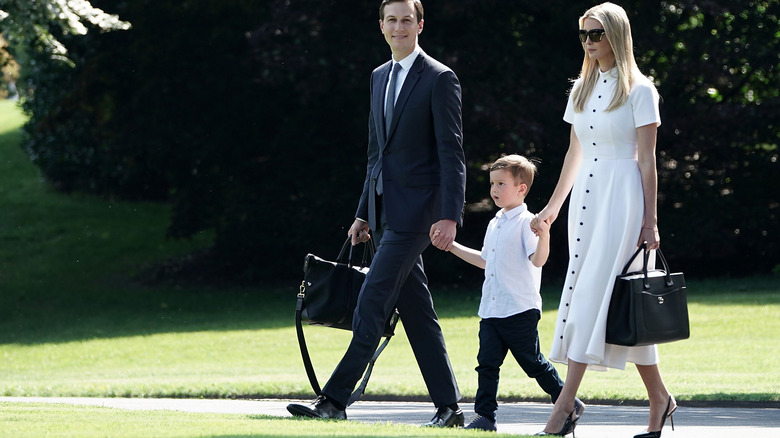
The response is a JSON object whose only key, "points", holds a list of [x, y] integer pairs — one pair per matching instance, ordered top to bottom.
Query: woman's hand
{"points": [[548, 215], [651, 236]]}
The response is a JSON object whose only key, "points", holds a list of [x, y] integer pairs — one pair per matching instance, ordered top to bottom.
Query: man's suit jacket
{"points": [[421, 156]]}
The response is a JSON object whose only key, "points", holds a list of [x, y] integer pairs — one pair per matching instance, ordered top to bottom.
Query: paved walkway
{"points": [[516, 418]]}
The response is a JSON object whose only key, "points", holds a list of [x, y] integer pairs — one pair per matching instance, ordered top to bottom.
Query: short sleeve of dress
{"points": [[644, 104], [568, 116]]}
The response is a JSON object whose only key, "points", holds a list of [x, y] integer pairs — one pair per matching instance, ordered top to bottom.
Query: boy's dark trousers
{"points": [[518, 334]]}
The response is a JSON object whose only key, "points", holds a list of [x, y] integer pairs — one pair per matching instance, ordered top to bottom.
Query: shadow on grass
{"points": [[133, 311], [123, 313]]}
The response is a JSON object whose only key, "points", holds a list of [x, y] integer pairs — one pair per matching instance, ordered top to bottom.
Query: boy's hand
{"points": [[540, 227], [442, 234], [435, 235]]}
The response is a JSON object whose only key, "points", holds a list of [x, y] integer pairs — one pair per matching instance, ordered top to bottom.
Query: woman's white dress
{"points": [[606, 210]]}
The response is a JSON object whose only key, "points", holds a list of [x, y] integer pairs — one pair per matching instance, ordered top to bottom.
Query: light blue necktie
{"points": [[390, 101], [389, 106]]}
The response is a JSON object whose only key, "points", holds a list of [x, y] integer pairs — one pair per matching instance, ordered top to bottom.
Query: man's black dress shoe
{"points": [[320, 408], [446, 417]]}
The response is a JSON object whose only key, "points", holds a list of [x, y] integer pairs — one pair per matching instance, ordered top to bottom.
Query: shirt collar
{"points": [[407, 62], [513, 212]]}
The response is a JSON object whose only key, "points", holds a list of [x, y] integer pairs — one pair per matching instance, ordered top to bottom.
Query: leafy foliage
{"points": [[28, 22], [9, 71], [250, 117]]}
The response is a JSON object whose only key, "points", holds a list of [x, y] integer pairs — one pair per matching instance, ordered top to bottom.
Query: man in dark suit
{"points": [[414, 187]]}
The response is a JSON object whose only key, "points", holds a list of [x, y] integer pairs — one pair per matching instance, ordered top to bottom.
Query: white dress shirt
{"points": [[512, 282]]}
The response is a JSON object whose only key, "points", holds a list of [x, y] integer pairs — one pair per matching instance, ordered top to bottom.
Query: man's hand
{"points": [[359, 232], [443, 234]]}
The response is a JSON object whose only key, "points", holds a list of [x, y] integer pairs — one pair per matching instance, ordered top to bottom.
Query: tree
{"points": [[27, 22], [9, 71], [250, 118]]}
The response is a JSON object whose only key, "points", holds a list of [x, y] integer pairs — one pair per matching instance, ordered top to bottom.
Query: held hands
{"points": [[547, 215], [541, 223], [540, 227], [359, 232], [443, 234]]}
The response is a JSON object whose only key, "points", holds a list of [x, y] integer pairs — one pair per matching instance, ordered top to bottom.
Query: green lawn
{"points": [[74, 321], [34, 420]]}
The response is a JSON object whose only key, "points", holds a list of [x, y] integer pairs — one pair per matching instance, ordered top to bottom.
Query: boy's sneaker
{"points": [[482, 423]]}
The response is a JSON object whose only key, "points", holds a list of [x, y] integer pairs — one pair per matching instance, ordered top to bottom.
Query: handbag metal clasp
{"points": [[302, 289], [660, 300]]}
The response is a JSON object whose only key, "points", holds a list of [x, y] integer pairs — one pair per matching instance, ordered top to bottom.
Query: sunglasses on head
{"points": [[594, 35]]}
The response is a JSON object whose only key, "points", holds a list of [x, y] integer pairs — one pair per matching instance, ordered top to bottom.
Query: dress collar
{"points": [[611, 74]]}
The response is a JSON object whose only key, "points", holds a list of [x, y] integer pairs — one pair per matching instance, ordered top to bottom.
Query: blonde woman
{"points": [[610, 170]]}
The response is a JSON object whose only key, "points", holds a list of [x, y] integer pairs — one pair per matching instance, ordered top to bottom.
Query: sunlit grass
{"points": [[31, 420]]}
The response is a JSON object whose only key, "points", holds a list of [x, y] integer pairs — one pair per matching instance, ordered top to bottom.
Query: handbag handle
{"points": [[368, 252], [646, 257]]}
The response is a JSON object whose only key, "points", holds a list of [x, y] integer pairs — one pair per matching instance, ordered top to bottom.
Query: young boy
{"points": [[512, 256]]}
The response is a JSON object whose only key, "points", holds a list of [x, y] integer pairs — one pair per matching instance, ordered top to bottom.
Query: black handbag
{"points": [[328, 296], [648, 307]]}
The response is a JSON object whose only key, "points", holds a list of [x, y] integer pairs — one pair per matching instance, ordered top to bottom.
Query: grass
{"points": [[74, 321], [180, 352], [16, 420]]}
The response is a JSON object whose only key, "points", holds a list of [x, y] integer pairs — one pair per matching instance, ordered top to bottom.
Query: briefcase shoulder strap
{"points": [[302, 342], [307, 359], [362, 387]]}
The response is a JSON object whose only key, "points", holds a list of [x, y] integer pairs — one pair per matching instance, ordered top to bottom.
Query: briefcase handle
{"points": [[368, 252], [646, 257]]}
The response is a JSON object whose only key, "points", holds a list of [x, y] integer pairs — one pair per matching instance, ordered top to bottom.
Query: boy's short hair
{"points": [[522, 169]]}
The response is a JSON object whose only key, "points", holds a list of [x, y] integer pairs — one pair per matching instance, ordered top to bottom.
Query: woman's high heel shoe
{"points": [[667, 413], [570, 423], [568, 427]]}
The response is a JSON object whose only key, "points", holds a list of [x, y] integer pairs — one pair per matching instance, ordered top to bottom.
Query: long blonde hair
{"points": [[617, 29]]}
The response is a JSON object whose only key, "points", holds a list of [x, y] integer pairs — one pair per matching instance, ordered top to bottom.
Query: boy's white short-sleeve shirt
{"points": [[512, 282]]}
